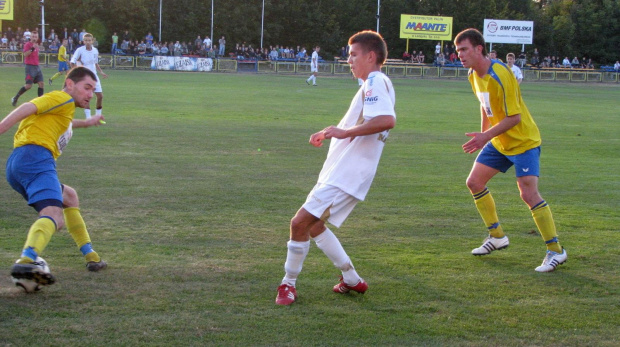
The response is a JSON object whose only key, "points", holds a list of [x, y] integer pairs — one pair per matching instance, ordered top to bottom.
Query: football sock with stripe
{"points": [[55, 76], [486, 207], [543, 218], [77, 229], [39, 236], [330, 245], [297, 251]]}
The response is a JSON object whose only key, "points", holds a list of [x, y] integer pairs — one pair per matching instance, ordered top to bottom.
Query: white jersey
{"points": [[87, 58], [315, 61], [517, 72], [351, 164]]}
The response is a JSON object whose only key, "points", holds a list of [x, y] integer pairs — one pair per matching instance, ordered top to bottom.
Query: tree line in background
{"points": [[583, 28]]}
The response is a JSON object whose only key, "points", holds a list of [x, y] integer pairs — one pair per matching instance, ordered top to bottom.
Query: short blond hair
{"points": [[87, 35]]}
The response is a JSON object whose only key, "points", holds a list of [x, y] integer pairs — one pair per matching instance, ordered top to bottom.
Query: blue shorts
{"points": [[63, 66], [526, 163], [31, 171]]}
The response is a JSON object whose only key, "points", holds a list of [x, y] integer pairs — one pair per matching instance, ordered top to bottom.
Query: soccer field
{"points": [[188, 190]]}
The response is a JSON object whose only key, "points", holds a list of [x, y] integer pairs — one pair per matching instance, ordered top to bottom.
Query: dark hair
{"points": [[474, 36], [371, 41], [78, 73]]}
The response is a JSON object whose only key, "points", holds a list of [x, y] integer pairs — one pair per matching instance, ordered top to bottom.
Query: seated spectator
{"points": [[4, 42], [13, 45], [142, 47], [164, 49], [178, 49], [273, 55], [406, 57], [453, 57], [421, 58], [440, 60], [521, 60], [575, 62], [566, 63], [589, 64], [617, 66]]}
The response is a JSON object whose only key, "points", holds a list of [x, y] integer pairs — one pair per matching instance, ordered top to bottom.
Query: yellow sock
{"points": [[56, 75], [486, 207], [544, 221], [77, 229], [39, 236]]}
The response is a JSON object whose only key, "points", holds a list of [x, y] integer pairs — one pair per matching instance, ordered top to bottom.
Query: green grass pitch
{"points": [[188, 190]]}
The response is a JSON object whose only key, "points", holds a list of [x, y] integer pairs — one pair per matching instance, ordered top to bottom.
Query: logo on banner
{"points": [[492, 27]]}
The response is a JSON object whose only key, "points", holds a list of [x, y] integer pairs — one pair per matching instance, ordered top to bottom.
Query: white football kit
{"points": [[88, 59], [314, 65], [517, 72], [351, 164]]}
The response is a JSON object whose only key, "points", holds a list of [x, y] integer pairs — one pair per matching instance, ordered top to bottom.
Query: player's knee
{"points": [[474, 185], [70, 197]]}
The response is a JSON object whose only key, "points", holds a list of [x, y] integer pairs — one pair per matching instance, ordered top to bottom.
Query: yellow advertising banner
{"points": [[6, 9], [425, 27]]}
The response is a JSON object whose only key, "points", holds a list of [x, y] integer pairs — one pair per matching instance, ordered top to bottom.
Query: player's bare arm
{"points": [[103, 74], [19, 114], [85, 123], [373, 126], [479, 139]]}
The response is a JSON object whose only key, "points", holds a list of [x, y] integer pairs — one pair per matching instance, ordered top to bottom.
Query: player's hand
{"points": [[104, 75], [96, 120], [334, 132], [317, 139], [478, 140]]}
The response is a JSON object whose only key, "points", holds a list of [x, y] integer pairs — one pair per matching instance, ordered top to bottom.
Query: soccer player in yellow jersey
{"points": [[63, 61], [45, 128], [508, 137]]}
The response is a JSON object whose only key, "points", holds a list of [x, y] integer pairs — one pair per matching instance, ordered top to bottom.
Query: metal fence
{"points": [[337, 68]]}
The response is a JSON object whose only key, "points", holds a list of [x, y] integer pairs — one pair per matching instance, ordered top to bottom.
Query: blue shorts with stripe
{"points": [[63, 66], [526, 163], [31, 171]]}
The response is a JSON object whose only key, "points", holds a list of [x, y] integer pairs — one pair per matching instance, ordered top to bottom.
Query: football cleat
{"points": [[50, 81], [14, 101], [491, 244], [552, 260], [96, 266], [37, 271], [343, 288], [286, 295]]}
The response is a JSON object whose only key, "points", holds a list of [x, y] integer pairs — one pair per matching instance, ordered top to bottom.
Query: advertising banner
{"points": [[6, 10], [425, 27], [508, 31], [181, 63]]}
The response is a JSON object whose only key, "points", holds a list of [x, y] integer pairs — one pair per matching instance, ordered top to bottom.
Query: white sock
{"points": [[309, 79], [313, 79], [87, 112], [98, 112], [330, 245], [295, 257]]}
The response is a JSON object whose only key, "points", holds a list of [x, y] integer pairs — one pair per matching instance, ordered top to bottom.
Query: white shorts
{"points": [[314, 69], [98, 86], [329, 203]]}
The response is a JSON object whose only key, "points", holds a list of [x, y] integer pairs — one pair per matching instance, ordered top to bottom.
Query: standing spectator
{"points": [[27, 34], [65, 34], [10, 35], [81, 36], [126, 36], [52, 37], [75, 37], [148, 39], [197, 42], [207, 42], [114, 43], [222, 43], [437, 49], [88, 56], [510, 59], [521, 60], [314, 66], [617, 66], [33, 71], [508, 137], [354, 152]]}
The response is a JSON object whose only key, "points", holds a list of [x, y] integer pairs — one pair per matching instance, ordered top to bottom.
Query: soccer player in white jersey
{"points": [[88, 56], [510, 59], [314, 66], [354, 152]]}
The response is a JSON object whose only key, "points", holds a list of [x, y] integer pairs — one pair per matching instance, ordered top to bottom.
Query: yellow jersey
{"points": [[62, 53], [500, 97], [51, 126]]}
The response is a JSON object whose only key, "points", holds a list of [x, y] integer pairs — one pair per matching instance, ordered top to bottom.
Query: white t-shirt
{"points": [[87, 58], [314, 65], [517, 72], [351, 164]]}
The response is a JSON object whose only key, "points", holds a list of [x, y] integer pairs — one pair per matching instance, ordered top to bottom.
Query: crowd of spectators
{"points": [[14, 40]]}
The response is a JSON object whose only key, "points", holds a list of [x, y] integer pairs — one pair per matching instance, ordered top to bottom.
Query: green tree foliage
{"points": [[561, 27]]}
